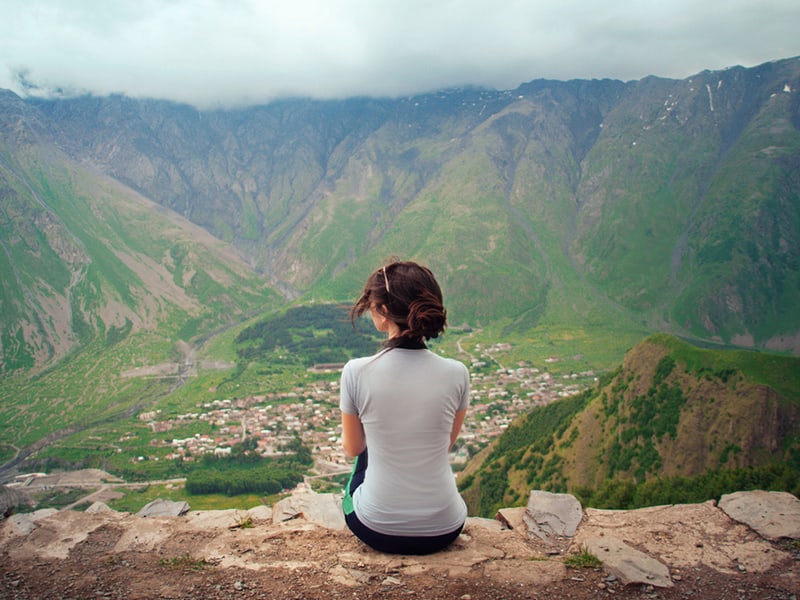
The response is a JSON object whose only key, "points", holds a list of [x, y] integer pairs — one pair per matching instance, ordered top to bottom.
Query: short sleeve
{"points": [[347, 390], [464, 400]]}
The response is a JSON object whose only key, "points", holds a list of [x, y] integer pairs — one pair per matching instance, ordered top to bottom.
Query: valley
{"points": [[310, 410], [672, 419]]}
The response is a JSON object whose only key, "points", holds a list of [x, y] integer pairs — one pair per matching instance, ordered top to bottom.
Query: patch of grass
{"points": [[780, 372], [331, 485], [136, 498], [246, 523], [792, 545], [583, 559], [184, 562]]}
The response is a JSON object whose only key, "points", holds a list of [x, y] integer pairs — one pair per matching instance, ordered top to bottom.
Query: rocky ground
{"points": [[290, 554], [93, 570]]}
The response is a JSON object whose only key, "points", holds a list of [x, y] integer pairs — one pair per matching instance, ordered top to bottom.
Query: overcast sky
{"points": [[234, 52]]}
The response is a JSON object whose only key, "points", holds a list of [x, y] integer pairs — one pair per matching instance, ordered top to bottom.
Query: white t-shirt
{"points": [[407, 401]]}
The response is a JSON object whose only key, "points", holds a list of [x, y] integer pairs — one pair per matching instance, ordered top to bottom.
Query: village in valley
{"points": [[311, 412]]}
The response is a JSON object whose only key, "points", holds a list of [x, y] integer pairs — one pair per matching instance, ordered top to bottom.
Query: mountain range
{"points": [[651, 205]]}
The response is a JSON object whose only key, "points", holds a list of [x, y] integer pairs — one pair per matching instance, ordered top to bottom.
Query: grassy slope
{"points": [[689, 206], [495, 238], [145, 281], [671, 410]]}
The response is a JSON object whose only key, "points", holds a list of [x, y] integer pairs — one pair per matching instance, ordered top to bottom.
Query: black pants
{"points": [[391, 544]]}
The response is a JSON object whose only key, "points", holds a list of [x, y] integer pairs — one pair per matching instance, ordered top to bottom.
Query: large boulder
{"points": [[548, 514], [774, 515]]}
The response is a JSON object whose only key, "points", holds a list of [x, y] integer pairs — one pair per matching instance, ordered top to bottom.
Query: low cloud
{"points": [[235, 52]]}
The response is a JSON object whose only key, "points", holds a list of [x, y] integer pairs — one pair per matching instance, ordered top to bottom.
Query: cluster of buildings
{"points": [[311, 412]]}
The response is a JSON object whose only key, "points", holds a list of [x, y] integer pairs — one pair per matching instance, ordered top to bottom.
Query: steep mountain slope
{"points": [[651, 204], [689, 204], [85, 258], [671, 410]]}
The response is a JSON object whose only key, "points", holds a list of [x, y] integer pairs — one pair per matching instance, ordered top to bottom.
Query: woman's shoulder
{"points": [[450, 363], [355, 364]]}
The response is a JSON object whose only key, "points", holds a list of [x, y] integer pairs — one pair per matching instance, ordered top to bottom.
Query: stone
{"points": [[99, 507], [164, 508], [321, 509], [42, 513], [259, 513], [548, 514], [773, 515], [512, 518], [480, 522], [20, 524], [54, 536], [682, 536], [628, 564]]}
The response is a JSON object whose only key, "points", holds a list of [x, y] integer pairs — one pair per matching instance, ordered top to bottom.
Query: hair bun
{"points": [[427, 318]]}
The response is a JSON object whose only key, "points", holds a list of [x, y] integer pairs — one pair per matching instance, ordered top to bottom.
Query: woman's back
{"points": [[407, 401]]}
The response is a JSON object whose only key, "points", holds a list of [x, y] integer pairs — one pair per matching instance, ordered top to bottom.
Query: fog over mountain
{"points": [[243, 53]]}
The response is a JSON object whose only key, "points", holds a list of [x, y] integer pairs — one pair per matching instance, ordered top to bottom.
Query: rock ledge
{"points": [[655, 547]]}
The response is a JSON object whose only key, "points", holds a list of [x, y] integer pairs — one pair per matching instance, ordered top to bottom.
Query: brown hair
{"points": [[411, 298]]}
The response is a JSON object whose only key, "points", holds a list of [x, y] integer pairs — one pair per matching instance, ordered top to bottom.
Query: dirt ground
{"points": [[307, 565]]}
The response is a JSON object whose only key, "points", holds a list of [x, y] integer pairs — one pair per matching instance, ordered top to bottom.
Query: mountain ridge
{"points": [[553, 183], [308, 187], [673, 423]]}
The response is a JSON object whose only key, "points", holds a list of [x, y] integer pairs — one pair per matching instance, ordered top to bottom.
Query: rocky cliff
{"points": [[745, 546]]}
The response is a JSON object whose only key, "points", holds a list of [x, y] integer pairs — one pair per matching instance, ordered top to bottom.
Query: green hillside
{"points": [[698, 189], [98, 282], [674, 423]]}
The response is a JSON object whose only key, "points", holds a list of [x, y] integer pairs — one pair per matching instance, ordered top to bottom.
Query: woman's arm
{"points": [[457, 423], [354, 441]]}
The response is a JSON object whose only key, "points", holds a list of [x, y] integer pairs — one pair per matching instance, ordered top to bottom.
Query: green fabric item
{"points": [[347, 501]]}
